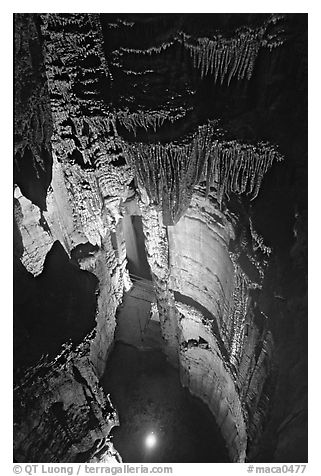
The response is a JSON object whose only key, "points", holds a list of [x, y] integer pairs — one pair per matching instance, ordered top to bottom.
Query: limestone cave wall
{"points": [[197, 122], [208, 318]]}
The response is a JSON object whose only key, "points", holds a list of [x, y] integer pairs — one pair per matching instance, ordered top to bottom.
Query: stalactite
{"points": [[99, 41], [149, 51], [221, 56], [231, 57], [91, 119], [140, 119], [148, 119], [239, 168], [170, 172]]}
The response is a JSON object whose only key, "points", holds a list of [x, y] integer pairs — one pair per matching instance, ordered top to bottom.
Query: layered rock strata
{"points": [[73, 174], [206, 317]]}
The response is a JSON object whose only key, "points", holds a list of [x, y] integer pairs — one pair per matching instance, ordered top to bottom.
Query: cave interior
{"points": [[160, 237]]}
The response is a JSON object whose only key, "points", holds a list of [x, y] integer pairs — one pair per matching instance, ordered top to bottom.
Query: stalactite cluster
{"points": [[80, 32], [219, 55], [223, 57], [231, 57], [80, 115], [140, 119], [148, 119], [33, 124], [85, 138], [239, 168], [162, 171], [169, 172]]}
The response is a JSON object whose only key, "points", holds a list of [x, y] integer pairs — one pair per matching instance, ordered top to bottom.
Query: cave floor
{"points": [[147, 393]]}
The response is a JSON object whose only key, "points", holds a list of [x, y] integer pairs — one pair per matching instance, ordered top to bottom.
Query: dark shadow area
{"points": [[32, 111], [33, 179], [135, 247], [51, 308], [147, 393]]}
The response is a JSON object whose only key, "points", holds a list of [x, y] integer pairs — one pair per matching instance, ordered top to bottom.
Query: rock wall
{"points": [[33, 121], [73, 172], [79, 211], [76, 217], [94, 248], [157, 252], [200, 264], [206, 312], [205, 373], [61, 412]]}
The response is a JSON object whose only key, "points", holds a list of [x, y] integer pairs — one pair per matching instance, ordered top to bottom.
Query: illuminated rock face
{"points": [[74, 171], [80, 210], [75, 216], [189, 260], [200, 264], [201, 268], [206, 318], [205, 373], [64, 417], [83, 423]]}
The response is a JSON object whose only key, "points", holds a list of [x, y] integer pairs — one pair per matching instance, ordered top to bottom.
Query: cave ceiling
{"points": [[162, 86]]}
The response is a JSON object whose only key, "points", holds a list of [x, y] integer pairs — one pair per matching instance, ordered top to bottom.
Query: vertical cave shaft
{"points": [[149, 144]]}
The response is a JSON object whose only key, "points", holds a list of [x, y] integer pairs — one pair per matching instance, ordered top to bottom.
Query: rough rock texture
{"points": [[106, 110], [33, 121], [228, 166], [81, 213], [75, 217], [36, 241], [157, 255], [206, 316], [204, 372], [64, 417]]}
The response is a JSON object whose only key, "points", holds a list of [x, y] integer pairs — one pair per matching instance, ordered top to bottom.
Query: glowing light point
{"points": [[150, 440]]}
